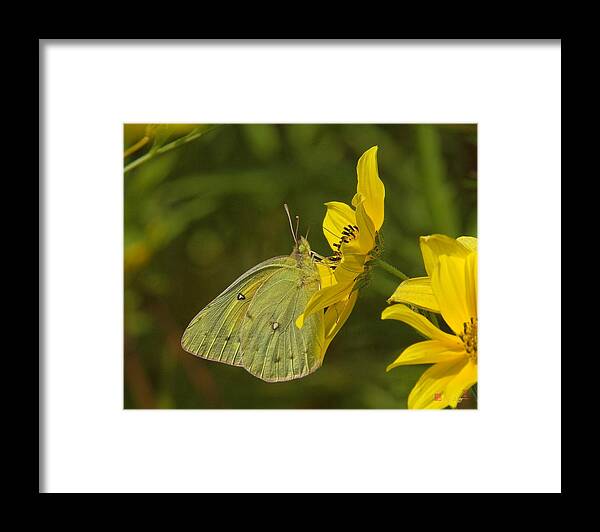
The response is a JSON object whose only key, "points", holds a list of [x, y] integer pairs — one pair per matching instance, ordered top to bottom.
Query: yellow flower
{"points": [[352, 233], [451, 290], [417, 291]]}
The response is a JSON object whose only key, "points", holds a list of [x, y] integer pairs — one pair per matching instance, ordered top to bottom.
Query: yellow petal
{"points": [[370, 187], [338, 216], [365, 236], [469, 242], [435, 245], [350, 267], [325, 274], [448, 282], [471, 284], [416, 291], [323, 299], [336, 316], [421, 324], [428, 352], [461, 382], [430, 391]]}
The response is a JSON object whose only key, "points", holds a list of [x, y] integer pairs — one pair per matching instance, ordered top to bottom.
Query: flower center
{"points": [[348, 234], [469, 338]]}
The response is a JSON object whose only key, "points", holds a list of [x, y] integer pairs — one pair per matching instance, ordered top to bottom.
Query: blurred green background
{"points": [[204, 203]]}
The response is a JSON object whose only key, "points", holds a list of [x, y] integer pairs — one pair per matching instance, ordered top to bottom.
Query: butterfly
{"points": [[252, 322]]}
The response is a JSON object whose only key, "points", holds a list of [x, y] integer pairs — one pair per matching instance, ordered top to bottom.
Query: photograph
{"points": [[300, 266]]}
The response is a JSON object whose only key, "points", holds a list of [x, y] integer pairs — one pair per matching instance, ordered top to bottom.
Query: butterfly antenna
{"points": [[287, 211], [297, 224], [307, 231]]}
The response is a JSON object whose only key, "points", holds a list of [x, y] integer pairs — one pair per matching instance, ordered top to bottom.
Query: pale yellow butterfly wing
{"points": [[214, 333], [273, 348]]}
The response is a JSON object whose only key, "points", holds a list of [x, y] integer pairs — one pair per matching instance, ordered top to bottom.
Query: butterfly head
{"points": [[303, 246]]}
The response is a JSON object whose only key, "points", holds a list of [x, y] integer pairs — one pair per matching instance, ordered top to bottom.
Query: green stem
{"points": [[137, 146], [167, 147], [390, 269]]}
